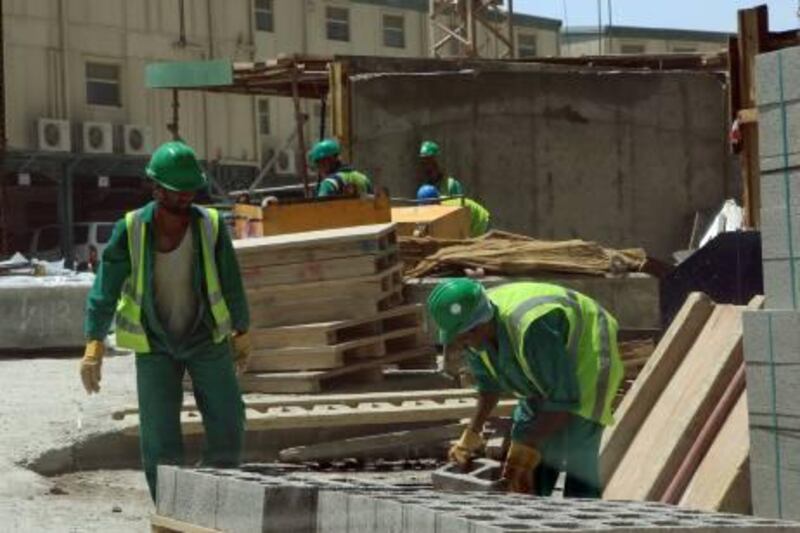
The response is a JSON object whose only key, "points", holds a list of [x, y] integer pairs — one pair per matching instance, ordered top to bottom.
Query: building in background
{"points": [[585, 40]]}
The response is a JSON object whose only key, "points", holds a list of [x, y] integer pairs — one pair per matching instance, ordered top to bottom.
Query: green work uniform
{"points": [[344, 182], [448, 186], [479, 216], [159, 373], [557, 388]]}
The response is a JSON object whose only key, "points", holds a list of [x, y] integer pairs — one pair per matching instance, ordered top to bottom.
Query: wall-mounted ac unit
{"points": [[53, 135], [97, 138], [136, 140], [286, 163]]}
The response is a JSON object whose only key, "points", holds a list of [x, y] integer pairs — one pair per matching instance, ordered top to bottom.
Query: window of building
{"points": [[264, 15], [337, 23], [394, 31], [526, 45], [632, 49], [103, 85], [263, 117]]}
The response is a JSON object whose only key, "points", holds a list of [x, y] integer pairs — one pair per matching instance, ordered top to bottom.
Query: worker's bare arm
{"points": [[486, 404]]}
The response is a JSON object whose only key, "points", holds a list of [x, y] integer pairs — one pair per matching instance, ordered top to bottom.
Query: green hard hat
{"points": [[324, 148], [429, 149], [174, 166], [455, 305]]}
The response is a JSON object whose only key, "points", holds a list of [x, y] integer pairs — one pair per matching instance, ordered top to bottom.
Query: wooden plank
{"points": [[314, 215], [438, 221], [305, 240], [314, 252], [329, 269], [360, 287], [651, 381], [350, 400], [364, 414], [667, 433], [373, 444], [715, 485], [163, 524]]}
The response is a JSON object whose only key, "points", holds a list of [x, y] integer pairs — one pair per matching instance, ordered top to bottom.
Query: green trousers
{"points": [[159, 381], [574, 450]]}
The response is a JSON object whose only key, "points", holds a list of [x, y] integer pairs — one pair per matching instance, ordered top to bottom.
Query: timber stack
{"points": [[327, 307]]}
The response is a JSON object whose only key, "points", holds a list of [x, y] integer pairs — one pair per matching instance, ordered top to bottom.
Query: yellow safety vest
{"points": [[130, 332], [592, 343]]}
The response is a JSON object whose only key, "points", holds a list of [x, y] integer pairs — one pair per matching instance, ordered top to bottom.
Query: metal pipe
{"points": [[182, 24], [600, 27], [609, 28], [63, 38], [512, 52], [300, 156], [705, 438]]}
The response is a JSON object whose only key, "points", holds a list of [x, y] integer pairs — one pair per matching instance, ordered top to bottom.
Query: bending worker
{"points": [[433, 173], [336, 178], [478, 215], [182, 308], [557, 351]]}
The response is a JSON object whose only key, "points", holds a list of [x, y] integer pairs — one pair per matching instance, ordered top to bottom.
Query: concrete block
{"points": [[768, 90], [775, 144], [776, 184], [776, 227], [777, 283], [785, 331], [773, 387], [770, 420], [763, 444], [484, 475], [166, 489], [776, 493], [196, 497], [240, 506], [332, 511], [362, 513], [390, 515]]}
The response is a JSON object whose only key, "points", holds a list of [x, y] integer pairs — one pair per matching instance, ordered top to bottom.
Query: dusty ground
{"points": [[44, 407]]}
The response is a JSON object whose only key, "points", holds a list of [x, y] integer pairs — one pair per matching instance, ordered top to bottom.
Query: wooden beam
{"points": [[753, 28]]}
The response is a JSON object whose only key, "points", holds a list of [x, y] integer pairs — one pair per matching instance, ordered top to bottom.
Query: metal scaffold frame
{"points": [[457, 21]]}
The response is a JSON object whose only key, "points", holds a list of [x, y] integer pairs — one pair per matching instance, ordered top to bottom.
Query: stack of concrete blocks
{"points": [[772, 336], [248, 502]]}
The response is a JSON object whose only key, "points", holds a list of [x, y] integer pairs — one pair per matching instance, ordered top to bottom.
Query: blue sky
{"points": [[716, 15]]}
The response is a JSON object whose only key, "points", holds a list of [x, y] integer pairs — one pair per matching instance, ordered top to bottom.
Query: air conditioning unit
{"points": [[53, 135], [97, 138], [136, 140], [286, 163]]}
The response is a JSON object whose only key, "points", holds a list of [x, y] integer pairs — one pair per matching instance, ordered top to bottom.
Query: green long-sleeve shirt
{"points": [[115, 268], [546, 354]]}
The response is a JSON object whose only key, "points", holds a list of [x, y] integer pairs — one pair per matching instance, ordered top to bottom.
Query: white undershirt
{"points": [[176, 302]]}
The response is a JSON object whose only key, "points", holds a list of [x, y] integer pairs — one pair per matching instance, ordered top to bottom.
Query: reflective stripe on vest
{"points": [[130, 333], [589, 347]]}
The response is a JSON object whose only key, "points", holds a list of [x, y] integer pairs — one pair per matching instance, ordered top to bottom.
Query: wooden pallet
{"points": [[315, 246], [325, 270], [372, 286], [323, 310], [341, 331], [336, 355], [311, 381], [364, 413]]}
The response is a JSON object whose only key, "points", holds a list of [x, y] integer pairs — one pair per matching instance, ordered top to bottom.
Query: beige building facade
{"points": [[581, 41]]}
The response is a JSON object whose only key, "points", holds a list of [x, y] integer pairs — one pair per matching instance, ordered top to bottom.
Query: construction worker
{"points": [[433, 173], [336, 178], [479, 215], [170, 274], [553, 348]]}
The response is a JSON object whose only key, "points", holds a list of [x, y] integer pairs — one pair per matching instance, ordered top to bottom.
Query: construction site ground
{"points": [[44, 413]]}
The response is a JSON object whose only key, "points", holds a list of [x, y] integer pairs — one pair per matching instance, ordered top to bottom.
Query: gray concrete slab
{"points": [[768, 90], [779, 185], [776, 228], [778, 283], [777, 329], [773, 388], [775, 448], [776, 493], [196, 497]]}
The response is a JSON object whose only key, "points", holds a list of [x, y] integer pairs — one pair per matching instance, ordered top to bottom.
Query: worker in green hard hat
{"points": [[433, 174], [336, 178], [478, 215], [170, 275], [556, 350]]}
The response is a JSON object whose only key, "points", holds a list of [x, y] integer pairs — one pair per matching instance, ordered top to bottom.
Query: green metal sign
{"points": [[188, 74]]}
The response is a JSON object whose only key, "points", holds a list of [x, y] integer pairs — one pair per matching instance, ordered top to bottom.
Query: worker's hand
{"points": [[241, 351], [90, 365], [467, 447], [519, 466]]}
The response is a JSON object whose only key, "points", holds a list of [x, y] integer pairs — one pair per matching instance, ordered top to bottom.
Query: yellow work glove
{"points": [[241, 351], [91, 364], [463, 451], [518, 469]]}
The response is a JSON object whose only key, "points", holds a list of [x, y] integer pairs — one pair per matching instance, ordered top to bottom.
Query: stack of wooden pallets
{"points": [[327, 307]]}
